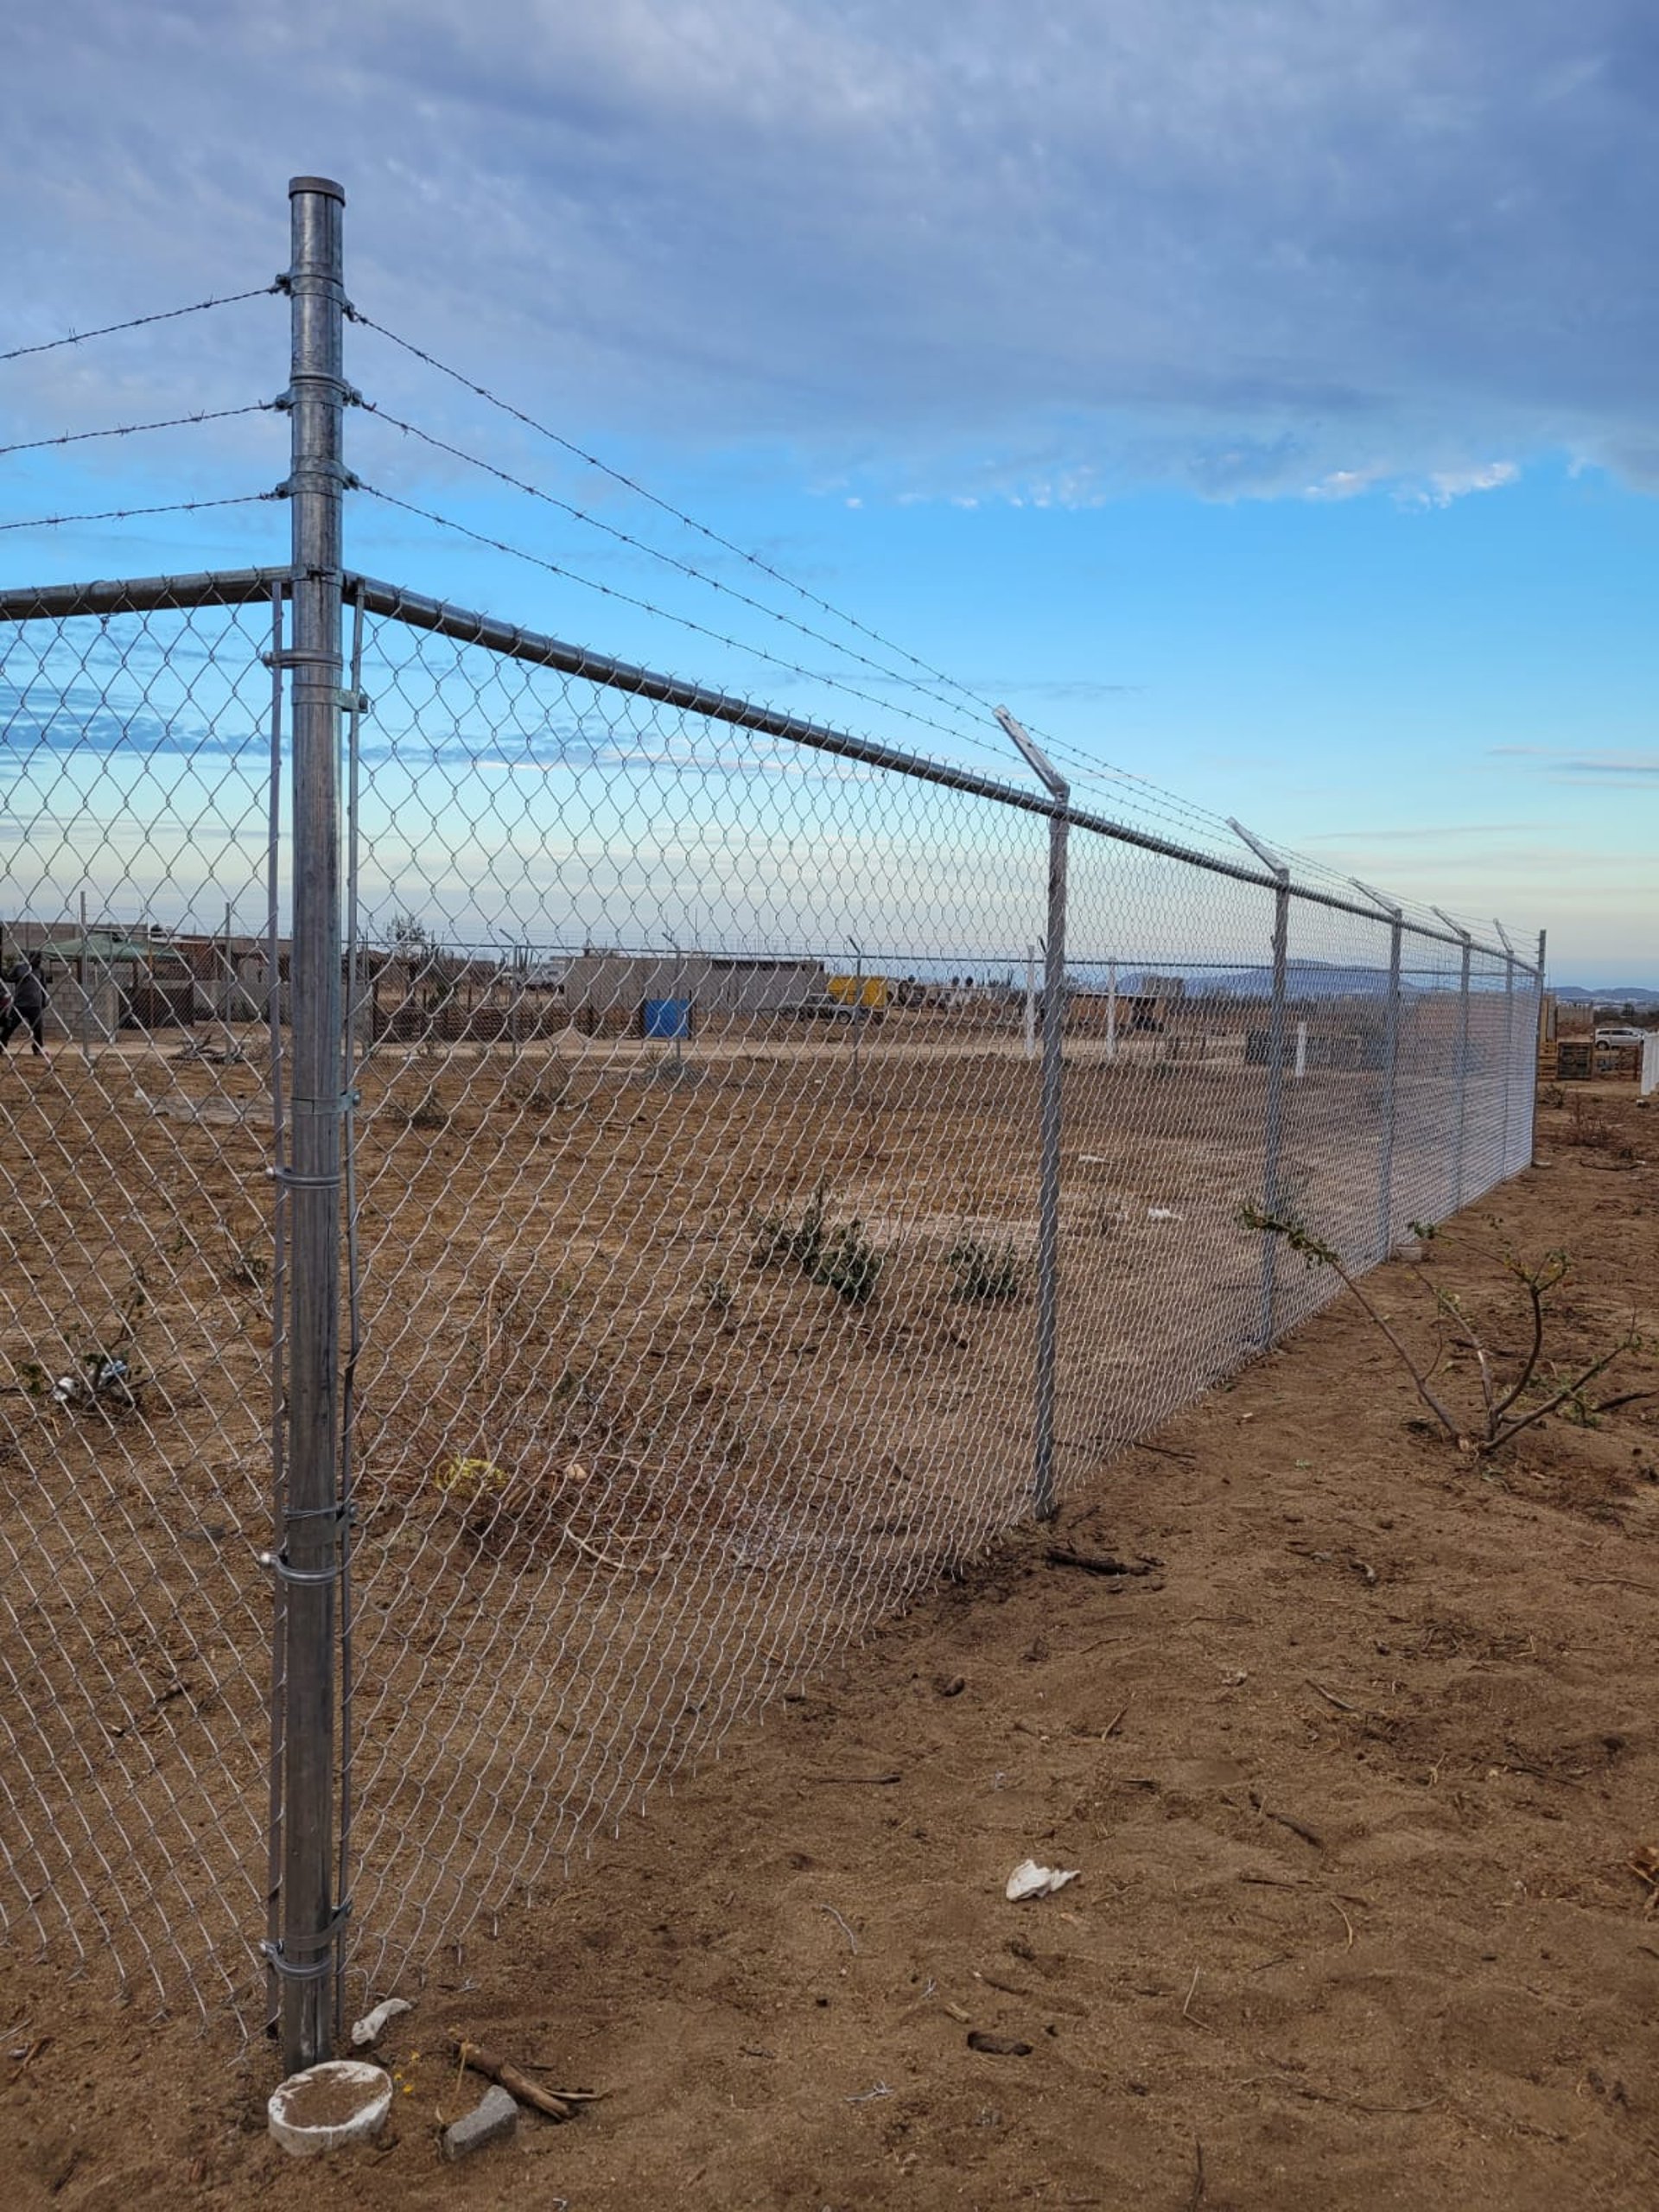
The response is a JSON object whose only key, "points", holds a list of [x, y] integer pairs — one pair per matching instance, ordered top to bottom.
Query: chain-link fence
{"points": [[765, 1165]]}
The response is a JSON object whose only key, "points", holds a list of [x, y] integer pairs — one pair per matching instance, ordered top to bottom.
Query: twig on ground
{"points": [[1166, 1451], [1097, 1563], [626, 1565], [1330, 1697], [1113, 1722], [1285, 1821], [852, 1940], [1330, 2096], [554, 2104], [1195, 2202]]}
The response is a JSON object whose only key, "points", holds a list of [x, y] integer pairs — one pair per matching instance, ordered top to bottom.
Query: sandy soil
{"points": [[617, 1485], [1358, 1778]]}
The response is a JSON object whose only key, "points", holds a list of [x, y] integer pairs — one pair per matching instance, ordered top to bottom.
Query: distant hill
{"points": [[1303, 979], [1610, 994]]}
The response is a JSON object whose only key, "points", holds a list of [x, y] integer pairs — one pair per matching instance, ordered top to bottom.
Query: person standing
{"points": [[28, 1003]]}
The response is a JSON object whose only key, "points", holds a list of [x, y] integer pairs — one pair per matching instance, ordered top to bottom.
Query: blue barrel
{"points": [[667, 1018]]}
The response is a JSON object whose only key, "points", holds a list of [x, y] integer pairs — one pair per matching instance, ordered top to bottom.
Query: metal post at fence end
{"points": [[1395, 913], [1467, 942], [1509, 957], [82, 977], [858, 1006], [679, 1009], [1538, 1040], [1049, 1120], [1274, 1128], [310, 1538]]}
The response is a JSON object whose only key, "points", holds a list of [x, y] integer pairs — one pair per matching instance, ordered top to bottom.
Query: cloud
{"points": [[1245, 250], [1448, 484], [1565, 765]]}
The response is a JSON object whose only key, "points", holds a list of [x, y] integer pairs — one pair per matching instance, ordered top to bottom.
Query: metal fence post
{"points": [[1508, 1040], [1537, 1040], [1508, 1054], [1461, 1058], [1391, 1071], [1049, 1124], [1274, 1125], [310, 1537]]}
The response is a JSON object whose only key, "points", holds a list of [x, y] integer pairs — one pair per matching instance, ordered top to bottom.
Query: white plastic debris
{"points": [[1164, 1213], [105, 1377], [1028, 1879], [372, 2024], [342, 2101]]}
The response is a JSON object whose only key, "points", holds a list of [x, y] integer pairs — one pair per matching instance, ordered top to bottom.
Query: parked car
{"points": [[1621, 1036]]}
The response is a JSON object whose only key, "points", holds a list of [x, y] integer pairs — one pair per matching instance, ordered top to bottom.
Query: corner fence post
{"points": [[1049, 1123], [310, 1537]]}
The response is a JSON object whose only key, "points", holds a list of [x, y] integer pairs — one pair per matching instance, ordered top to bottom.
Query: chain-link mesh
{"points": [[695, 1135], [699, 1184], [135, 1296]]}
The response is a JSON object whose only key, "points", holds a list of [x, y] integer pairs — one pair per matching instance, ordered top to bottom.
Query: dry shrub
{"points": [[542, 1089], [1588, 1126]]}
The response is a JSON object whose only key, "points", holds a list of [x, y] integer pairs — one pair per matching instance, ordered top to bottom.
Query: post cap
{"points": [[324, 184]]}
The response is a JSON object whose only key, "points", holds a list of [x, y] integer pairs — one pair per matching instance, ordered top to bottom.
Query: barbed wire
{"points": [[138, 322], [132, 429], [132, 514], [678, 514], [657, 553], [683, 621], [1092, 770], [1101, 774], [1147, 799]]}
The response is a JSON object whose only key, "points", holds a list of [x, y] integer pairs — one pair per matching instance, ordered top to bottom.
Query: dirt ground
{"points": [[624, 1465], [1358, 1779]]}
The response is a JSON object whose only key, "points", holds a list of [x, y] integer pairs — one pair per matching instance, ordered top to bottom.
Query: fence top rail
{"points": [[247, 586], [142, 594]]}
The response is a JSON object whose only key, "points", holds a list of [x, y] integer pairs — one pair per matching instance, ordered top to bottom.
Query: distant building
{"points": [[608, 991]]}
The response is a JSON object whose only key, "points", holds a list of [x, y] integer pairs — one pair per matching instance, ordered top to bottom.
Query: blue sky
{"points": [[1258, 398]]}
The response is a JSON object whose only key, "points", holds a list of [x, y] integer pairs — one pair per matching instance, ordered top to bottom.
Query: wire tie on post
{"points": [[342, 1103], [343, 1512], [305, 1576], [313, 1969]]}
